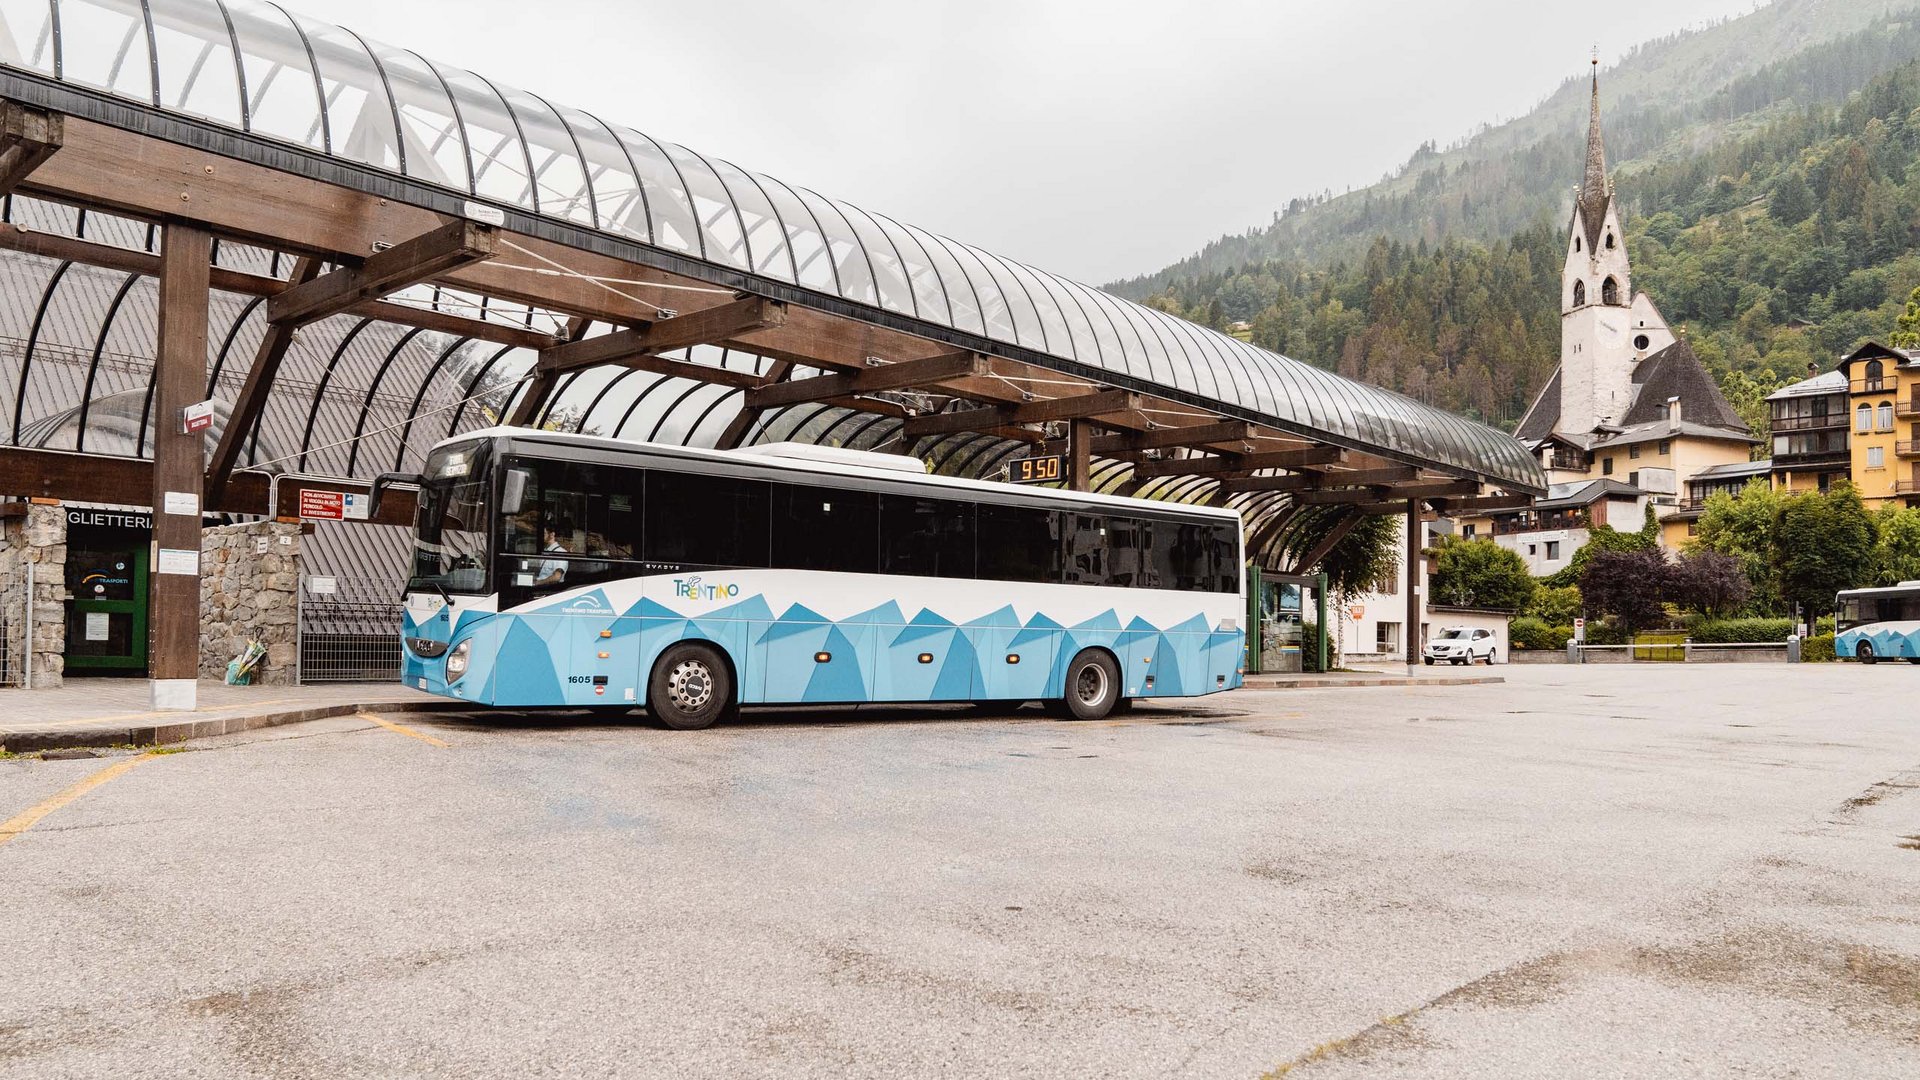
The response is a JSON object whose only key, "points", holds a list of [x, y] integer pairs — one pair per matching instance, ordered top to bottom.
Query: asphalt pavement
{"points": [[1594, 871]]}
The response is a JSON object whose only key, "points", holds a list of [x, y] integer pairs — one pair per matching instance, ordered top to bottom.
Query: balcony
{"points": [[1881, 385], [1908, 408], [1820, 422], [1907, 448], [1813, 459], [1569, 462], [1907, 487], [1531, 521]]}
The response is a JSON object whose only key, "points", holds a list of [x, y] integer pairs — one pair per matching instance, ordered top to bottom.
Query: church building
{"points": [[1630, 402]]}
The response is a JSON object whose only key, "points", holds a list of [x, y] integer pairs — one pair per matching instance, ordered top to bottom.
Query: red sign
{"points": [[196, 417], [328, 505]]}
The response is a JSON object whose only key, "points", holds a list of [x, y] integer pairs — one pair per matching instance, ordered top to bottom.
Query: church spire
{"points": [[1594, 191]]}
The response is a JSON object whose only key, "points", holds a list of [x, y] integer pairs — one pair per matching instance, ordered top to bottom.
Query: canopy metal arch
{"points": [[818, 314]]}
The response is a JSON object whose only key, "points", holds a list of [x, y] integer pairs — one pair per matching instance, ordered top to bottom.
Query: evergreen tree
{"points": [[1906, 333]]}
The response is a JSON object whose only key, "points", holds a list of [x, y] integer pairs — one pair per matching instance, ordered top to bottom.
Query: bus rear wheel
{"points": [[1863, 652], [1093, 686], [690, 688]]}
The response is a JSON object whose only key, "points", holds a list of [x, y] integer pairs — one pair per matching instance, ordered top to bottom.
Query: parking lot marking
{"points": [[403, 729], [20, 823]]}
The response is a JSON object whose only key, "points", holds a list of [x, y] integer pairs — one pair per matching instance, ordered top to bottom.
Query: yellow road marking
{"points": [[402, 729], [18, 824]]}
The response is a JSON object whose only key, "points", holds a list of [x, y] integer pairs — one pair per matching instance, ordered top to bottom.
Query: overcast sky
{"points": [[1098, 140]]}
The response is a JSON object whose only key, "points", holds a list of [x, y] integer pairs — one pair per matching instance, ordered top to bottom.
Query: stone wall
{"points": [[38, 537], [250, 590]]}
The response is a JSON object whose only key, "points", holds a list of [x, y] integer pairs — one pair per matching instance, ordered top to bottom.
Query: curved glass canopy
{"points": [[257, 68]]}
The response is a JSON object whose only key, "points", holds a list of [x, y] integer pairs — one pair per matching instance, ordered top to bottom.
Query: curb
{"points": [[1381, 680], [178, 731]]}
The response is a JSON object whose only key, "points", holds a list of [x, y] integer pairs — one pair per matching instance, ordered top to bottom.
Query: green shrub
{"points": [[1554, 606], [1824, 625], [1742, 631], [1527, 632], [1606, 632], [1310, 646], [1817, 649]]}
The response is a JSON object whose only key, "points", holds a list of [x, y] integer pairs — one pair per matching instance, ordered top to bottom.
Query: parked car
{"points": [[1461, 645]]}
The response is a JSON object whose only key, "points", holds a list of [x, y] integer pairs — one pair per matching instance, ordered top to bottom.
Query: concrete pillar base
{"points": [[181, 695]]}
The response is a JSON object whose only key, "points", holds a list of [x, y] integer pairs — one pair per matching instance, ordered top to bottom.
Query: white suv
{"points": [[1461, 645]]}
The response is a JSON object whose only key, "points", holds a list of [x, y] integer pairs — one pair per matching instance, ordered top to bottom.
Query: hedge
{"points": [[1527, 632], [1742, 632], [1817, 649]]}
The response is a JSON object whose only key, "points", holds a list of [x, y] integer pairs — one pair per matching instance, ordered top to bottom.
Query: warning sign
{"points": [[332, 505]]}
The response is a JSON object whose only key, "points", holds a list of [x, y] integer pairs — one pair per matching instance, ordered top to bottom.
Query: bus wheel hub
{"points": [[691, 685]]}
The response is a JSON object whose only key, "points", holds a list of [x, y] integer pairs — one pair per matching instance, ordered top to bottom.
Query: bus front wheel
{"points": [[1864, 653], [1093, 686], [691, 687]]}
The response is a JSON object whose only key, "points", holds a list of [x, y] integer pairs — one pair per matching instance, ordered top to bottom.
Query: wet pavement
{"points": [[1596, 871]]}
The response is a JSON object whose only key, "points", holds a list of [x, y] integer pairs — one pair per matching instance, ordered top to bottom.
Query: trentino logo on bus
{"points": [[692, 589]]}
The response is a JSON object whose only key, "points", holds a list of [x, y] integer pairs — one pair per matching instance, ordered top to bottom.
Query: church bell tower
{"points": [[1602, 334]]}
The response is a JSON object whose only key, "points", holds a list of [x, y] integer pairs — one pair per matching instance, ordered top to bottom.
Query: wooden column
{"points": [[1079, 455], [179, 463], [1412, 631]]}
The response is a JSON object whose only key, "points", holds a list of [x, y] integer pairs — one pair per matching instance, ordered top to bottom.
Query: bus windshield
{"points": [[450, 531]]}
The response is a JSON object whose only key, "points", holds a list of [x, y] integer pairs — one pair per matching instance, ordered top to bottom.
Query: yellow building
{"points": [[1883, 397]]}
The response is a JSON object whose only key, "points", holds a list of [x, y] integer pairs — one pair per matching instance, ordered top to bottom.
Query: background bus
{"points": [[558, 569], [1878, 624]]}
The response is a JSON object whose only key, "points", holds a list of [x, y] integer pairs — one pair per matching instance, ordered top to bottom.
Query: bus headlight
{"points": [[457, 660]]}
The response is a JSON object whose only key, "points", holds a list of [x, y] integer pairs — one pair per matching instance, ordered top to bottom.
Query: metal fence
{"points": [[349, 629]]}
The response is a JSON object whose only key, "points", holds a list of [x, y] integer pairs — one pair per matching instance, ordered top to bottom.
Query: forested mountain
{"points": [[1668, 98], [1781, 241]]}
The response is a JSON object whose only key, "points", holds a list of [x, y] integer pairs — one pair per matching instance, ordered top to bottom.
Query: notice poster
{"points": [[177, 561], [96, 626]]}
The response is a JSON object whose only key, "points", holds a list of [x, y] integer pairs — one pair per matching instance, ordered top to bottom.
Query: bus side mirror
{"points": [[385, 480], [513, 491]]}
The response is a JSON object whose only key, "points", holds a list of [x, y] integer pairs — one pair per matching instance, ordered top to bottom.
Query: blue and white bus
{"points": [[566, 570], [1878, 624]]}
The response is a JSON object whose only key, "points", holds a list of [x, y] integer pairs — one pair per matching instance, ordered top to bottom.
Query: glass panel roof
{"points": [[308, 83]]}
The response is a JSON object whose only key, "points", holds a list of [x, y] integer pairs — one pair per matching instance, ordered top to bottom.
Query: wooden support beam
{"points": [[28, 137], [423, 258], [127, 260], [706, 326], [927, 372], [179, 380], [252, 400], [528, 405], [1078, 407], [743, 421], [1227, 431], [1079, 449], [1302, 458], [63, 474], [1392, 474], [1382, 493], [1471, 505], [1318, 553]]}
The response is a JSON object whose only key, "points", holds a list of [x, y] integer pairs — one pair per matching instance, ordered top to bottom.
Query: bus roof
{"points": [[847, 466], [1883, 590]]}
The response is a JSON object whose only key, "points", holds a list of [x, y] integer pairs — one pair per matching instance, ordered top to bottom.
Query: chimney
{"points": [[1812, 369], [1673, 413]]}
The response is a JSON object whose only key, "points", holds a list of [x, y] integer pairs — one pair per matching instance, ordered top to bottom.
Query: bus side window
{"points": [[706, 521], [820, 528], [926, 537], [1020, 543], [1086, 549]]}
